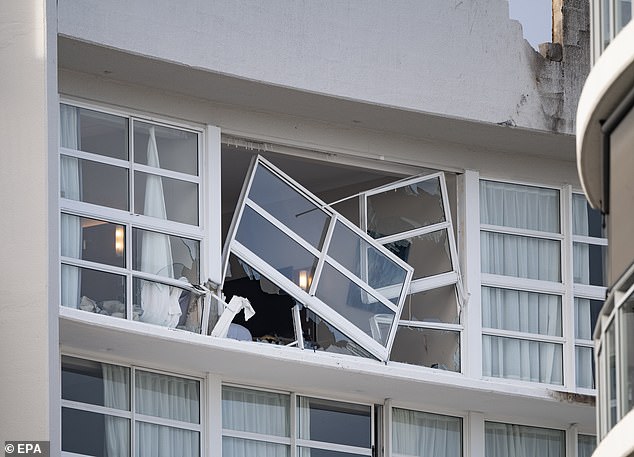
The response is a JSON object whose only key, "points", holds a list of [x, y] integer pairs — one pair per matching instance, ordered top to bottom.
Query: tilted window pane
{"points": [[92, 131], [176, 150], [94, 182], [166, 198], [514, 205], [289, 207], [405, 208], [93, 240], [275, 247], [428, 254], [166, 255], [520, 256], [365, 261], [589, 264], [93, 291], [354, 303], [166, 305], [435, 305], [521, 311], [586, 315], [319, 335], [427, 347], [523, 360], [584, 367], [95, 383], [169, 397], [255, 411], [334, 422], [416, 433], [99, 435], [154, 439], [503, 440]]}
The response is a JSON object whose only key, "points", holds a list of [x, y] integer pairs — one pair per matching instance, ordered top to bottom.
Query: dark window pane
{"points": [[177, 150], [166, 198], [93, 240], [428, 254], [93, 291], [435, 305], [427, 347], [96, 383], [94, 434]]}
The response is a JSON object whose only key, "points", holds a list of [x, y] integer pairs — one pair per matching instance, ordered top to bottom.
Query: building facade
{"points": [[604, 142], [301, 229]]}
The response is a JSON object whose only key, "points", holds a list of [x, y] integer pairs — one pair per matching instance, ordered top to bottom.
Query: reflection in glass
{"points": [[92, 131], [177, 149], [93, 182], [180, 197], [289, 206], [405, 208], [93, 240], [274, 247], [428, 254], [185, 255], [520, 256], [365, 261], [589, 264], [93, 291], [353, 303], [435, 305], [167, 306], [521, 311], [319, 335], [427, 347], [524, 360], [95, 383], [334, 422], [100, 435]]}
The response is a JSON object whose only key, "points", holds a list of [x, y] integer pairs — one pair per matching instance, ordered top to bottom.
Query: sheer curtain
{"points": [[70, 188], [530, 208], [581, 251], [159, 301], [116, 384], [172, 398], [264, 413], [421, 434], [506, 440]]}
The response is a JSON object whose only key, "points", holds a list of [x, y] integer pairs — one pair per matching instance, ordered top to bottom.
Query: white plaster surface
{"points": [[462, 58]]}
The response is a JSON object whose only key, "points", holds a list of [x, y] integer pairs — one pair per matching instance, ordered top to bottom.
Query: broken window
{"points": [[413, 220], [319, 258]]}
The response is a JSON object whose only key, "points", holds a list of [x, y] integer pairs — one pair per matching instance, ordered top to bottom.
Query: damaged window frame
{"points": [[433, 282], [308, 298]]}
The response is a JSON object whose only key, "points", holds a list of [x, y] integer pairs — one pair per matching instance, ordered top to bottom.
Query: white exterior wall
{"points": [[451, 57], [28, 325]]}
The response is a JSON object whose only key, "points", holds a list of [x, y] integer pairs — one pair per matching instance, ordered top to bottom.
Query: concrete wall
{"points": [[462, 58], [28, 325]]}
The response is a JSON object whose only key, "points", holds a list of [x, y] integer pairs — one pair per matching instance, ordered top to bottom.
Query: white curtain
{"points": [[70, 188], [529, 208], [581, 252], [159, 302], [525, 312], [116, 384], [171, 398], [264, 413], [303, 424], [421, 434], [505, 440], [586, 444]]}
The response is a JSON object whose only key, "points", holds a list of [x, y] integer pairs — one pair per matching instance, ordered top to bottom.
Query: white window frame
{"points": [[207, 232], [450, 278], [533, 285], [309, 298], [131, 415]]}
